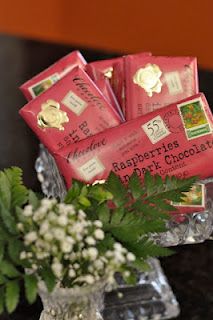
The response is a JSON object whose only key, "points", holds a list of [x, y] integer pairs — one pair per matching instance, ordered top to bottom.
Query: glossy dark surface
{"points": [[189, 271]]}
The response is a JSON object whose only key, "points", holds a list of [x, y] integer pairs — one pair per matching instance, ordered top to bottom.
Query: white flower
{"points": [[28, 211], [39, 214], [81, 214], [52, 216], [62, 221], [98, 223], [20, 226], [44, 227], [79, 227], [59, 233], [99, 234], [48, 236], [30, 237], [70, 240], [90, 240], [66, 247], [92, 253], [23, 255], [130, 257], [99, 264], [76, 266], [57, 269], [72, 273], [126, 273], [89, 279]]}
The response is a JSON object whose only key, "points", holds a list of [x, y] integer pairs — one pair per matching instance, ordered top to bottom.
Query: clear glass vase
{"points": [[81, 303]]}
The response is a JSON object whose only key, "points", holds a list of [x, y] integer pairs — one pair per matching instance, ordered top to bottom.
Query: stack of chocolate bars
{"points": [[129, 114]]}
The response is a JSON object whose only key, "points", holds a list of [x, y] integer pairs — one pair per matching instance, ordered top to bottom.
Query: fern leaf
{"points": [[115, 186], [135, 186], [5, 190], [19, 192], [33, 199], [8, 219], [12, 295], [2, 298]]}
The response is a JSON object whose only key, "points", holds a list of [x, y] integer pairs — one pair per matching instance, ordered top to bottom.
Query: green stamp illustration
{"points": [[194, 119]]}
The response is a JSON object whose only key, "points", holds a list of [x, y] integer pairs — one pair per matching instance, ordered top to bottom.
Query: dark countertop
{"points": [[189, 271]]}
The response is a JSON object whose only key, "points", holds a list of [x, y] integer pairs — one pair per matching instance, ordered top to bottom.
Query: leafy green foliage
{"points": [[129, 215], [49, 278], [31, 287], [12, 295]]}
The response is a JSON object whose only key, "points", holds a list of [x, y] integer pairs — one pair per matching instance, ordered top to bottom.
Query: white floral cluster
{"points": [[63, 237]]}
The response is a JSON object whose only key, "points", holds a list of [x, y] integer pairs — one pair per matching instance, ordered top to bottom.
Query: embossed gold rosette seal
{"points": [[148, 78], [51, 116]]}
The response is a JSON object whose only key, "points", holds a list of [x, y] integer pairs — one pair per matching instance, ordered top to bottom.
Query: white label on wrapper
{"points": [[173, 82], [74, 103], [155, 129], [91, 168]]}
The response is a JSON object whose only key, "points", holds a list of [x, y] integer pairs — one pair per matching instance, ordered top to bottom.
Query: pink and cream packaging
{"points": [[101, 67], [45, 79], [154, 82], [104, 85], [71, 110], [175, 140]]}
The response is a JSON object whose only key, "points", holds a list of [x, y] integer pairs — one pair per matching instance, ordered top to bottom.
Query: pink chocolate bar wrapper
{"points": [[98, 68], [45, 79], [118, 79], [154, 82], [104, 85], [71, 110], [175, 140]]}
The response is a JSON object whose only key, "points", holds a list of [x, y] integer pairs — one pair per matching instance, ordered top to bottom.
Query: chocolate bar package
{"points": [[101, 67], [45, 79], [118, 79], [154, 82], [104, 85], [71, 110], [175, 140]]}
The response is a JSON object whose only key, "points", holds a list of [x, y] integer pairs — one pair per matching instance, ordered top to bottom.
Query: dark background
{"points": [[189, 271]]}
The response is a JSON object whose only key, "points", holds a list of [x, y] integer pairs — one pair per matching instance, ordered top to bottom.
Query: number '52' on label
{"points": [[155, 129]]}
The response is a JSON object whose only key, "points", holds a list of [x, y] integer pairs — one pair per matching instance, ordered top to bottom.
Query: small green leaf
{"points": [[115, 186], [136, 186], [74, 191], [5, 192], [19, 193], [33, 199], [84, 201], [103, 213], [117, 215], [7, 219], [2, 247], [14, 249], [8, 269], [49, 278], [2, 279], [31, 287], [12, 295], [2, 298]]}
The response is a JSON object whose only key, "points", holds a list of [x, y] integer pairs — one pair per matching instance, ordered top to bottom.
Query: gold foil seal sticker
{"points": [[108, 72], [148, 78], [51, 116]]}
